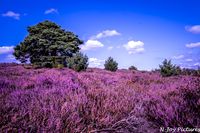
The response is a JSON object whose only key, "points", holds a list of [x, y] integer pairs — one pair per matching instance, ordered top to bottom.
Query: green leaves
{"points": [[47, 39], [78, 62], [111, 64], [132, 68], [168, 69]]}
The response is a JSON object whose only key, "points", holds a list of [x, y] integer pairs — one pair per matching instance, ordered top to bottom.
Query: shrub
{"points": [[78, 62], [111, 64], [60, 66], [132, 68], [168, 69], [156, 70], [177, 70], [193, 72]]}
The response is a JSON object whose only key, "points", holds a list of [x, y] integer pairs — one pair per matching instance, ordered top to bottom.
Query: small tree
{"points": [[78, 62], [111, 64], [132, 68], [168, 69], [178, 70], [193, 72]]}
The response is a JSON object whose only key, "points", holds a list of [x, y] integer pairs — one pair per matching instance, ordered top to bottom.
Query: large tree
{"points": [[47, 44]]}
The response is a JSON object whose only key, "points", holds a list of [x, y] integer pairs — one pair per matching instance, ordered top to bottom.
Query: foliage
{"points": [[47, 45], [78, 62], [111, 64], [132, 68], [168, 69], [178, 70], [193, 72], [62, 100]]}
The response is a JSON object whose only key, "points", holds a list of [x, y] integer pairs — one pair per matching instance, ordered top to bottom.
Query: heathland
{"points": [[95, 100]]}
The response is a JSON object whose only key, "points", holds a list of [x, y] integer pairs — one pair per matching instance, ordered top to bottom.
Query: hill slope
{"points": [[61, 100]]}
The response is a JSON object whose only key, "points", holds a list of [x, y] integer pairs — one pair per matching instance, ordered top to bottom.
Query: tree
{"points": [[47, 45], [78, 62], [111, 64], [132, 68], [168, 69]]}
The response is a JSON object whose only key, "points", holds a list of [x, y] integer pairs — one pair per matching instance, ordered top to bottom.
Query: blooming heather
{"points": [[62, 100]]}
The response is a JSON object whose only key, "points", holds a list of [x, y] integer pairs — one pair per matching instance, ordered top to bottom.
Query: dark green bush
{"points": [[78, 62], [111, 64], [132, 68], [168, 69], [178, 70], [192, 72]]}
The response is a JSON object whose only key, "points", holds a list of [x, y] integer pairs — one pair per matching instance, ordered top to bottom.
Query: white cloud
{"points": [[51, 10], [12, 15], [193, 29], [106, 33], [91, 44], [193, 45], [134, 47], [110, 48], [6, 49], [10, 57], [178, 57], [189, 60], [94, 62], [197, 64]]}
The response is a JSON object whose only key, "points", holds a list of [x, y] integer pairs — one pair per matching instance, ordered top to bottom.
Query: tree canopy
{"points": [[47, 44], [111, 64], [168, 69]]}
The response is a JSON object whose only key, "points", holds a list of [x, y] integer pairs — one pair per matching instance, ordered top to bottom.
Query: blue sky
{"points": [[134, 32]]}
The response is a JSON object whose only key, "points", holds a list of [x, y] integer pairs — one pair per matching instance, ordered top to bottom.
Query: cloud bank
{"points": [[6, 49], [94, 62]]}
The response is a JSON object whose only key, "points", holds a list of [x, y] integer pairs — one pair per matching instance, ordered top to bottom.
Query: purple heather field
{"points": [[95, 101]]}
